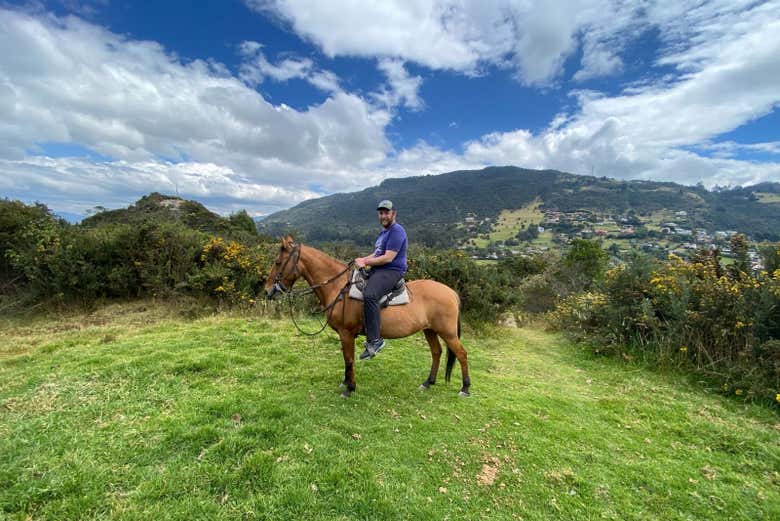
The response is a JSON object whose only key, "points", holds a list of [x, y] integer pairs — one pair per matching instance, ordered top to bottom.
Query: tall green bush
{"points": [[15, 216], [47, 258], [231, 271], [485, 291], [690, 314]]}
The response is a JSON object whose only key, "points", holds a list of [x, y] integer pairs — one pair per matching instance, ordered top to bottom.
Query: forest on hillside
{"points": [[433, 208]]}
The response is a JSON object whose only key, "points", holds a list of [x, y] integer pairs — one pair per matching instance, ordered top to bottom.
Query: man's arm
{"points": [[394, 243], [387, 258]]}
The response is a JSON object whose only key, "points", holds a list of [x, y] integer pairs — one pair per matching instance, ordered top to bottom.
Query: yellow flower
{"points": [[683, 349], [738, 392], [777, 398]]}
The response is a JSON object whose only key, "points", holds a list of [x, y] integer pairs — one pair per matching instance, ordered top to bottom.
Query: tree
{"points": [[15, 216], [242, 221], [528, 234], [739, 248], [770, 254], [583, 265]]}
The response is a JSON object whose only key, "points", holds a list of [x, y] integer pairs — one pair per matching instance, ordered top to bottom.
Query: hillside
{"points": [[166, 208], [474, 209], [133, 413]]}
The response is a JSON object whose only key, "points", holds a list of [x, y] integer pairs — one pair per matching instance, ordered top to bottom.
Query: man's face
{"points": [[386, 217]]}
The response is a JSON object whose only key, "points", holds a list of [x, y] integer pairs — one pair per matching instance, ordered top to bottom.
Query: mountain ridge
{"points": [[434, 207]]}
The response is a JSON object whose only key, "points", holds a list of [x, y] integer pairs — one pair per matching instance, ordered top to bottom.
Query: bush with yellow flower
{"points": [[231, 271], [694, 313]]}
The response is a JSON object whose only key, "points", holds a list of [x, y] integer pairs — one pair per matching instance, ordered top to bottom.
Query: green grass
{"points": [[768, 198], [656, 220], [510, 222], [546, 239], [621, 243], [133, 413]]}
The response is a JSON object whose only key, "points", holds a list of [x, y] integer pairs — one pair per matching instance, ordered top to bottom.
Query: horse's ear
{"points": [[287, 242]]}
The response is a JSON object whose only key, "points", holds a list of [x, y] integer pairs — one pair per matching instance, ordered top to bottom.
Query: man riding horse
{"points": [[388, 265], [434, 310]]}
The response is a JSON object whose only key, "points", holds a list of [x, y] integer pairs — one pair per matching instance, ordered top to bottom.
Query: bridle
{"points": [[279, 287]]}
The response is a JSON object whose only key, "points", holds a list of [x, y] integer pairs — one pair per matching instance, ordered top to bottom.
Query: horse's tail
{"points": [[450, 353], [450, 362]]}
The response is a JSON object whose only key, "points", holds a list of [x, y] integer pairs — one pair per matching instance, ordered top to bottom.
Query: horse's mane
{"points": [[323, 257]]}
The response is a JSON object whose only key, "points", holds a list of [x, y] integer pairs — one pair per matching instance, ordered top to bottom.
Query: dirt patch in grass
{"points": [[487, 476]]}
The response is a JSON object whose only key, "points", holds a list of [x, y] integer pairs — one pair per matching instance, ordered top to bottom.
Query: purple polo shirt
{"points": [[392, 238]]}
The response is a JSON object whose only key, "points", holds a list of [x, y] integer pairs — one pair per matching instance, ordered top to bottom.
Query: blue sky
{"points": [[260, 104]]}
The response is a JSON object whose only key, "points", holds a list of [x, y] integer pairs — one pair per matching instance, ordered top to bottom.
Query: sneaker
{"points": [[372, 348]]}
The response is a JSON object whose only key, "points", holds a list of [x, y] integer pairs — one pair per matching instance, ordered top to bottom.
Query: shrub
{"points": [[15, 216], [241, 221], [583, 265], [230, 270], [485, 291], [538, 294], [687, 314]]}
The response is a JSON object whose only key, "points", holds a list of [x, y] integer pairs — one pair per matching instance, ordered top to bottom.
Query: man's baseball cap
{"points": [[387, 204]]}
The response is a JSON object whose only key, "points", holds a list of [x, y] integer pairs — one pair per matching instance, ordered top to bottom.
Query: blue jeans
{"points": [[379, 284]]}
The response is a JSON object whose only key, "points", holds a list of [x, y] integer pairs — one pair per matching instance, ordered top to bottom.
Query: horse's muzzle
{"points": [[274, 292]]}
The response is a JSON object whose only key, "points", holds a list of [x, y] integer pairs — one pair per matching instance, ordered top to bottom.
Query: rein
{"points": [[291, 294]]}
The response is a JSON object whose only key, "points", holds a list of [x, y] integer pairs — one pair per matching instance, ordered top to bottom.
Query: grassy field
{"points": [[768, 198], [511, 221], [545, 239], [134, 413]]}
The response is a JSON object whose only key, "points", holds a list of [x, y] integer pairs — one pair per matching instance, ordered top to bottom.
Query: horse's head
{"points": [[284, 272]]}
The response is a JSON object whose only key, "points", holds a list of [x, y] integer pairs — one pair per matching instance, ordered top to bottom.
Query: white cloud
{"points": [[418, 31], [534, 38], [598, 61], [256, 68], [65, 80], [325, 80], [68, 81], [726, 81], [403, 89], [651, 130], [728, 149], [76, 185]]}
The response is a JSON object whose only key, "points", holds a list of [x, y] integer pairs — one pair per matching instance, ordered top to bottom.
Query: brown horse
{"points": [[434, 308]]}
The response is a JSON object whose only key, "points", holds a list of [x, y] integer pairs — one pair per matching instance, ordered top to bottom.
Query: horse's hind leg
{"points": [[433, 341], [455, 348]]}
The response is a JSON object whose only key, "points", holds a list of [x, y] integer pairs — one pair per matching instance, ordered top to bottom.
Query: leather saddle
{"points": [[397, 296]]}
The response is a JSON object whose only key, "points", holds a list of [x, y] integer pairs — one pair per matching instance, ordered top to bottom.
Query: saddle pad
{"points": [[396, 297]]}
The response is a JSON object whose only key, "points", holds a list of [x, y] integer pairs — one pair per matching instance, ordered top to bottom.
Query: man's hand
{"points": [[389, 255]]}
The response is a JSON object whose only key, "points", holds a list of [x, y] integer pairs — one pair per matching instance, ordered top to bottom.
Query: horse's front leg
{"points": [[348, 350]]}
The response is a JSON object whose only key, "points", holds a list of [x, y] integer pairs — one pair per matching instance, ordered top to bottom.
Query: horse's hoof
{"points": [[342, 385], [423, 387], [346, 393], [464, 394]]}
